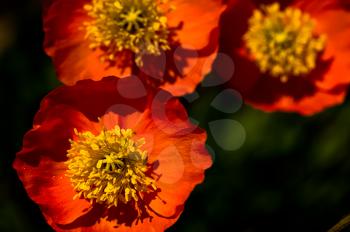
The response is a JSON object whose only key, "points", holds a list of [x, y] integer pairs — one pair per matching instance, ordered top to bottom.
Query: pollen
{"points": [[139, 26], [283, 43], [109, 168]]}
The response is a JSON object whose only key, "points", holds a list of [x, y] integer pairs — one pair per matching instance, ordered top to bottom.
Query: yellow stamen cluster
{"points": [[139, 26], [283, 43], [108, 168]]}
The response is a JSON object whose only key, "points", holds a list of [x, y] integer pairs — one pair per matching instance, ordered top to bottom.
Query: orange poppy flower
{"points": [[171, 43], [289, 55], [100, 159]]}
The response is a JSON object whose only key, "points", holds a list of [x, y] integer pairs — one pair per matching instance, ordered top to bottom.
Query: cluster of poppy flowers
{"points": [[113, 149]]}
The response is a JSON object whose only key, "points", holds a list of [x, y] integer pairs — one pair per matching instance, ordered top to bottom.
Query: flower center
{"points": [[135, 25], [283, 43], [108, 168]]}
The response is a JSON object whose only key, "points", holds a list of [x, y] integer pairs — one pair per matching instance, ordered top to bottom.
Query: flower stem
{"points": [[342, 224]]}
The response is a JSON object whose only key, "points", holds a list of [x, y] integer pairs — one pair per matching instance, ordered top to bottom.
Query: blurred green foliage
{"points": [[291, 174]]}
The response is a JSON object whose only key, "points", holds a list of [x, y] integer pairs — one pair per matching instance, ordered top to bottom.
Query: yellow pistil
{"points": [[139, 26], [283, 43], [108, 168]]}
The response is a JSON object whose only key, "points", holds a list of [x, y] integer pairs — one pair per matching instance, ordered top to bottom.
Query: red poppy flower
{"points": [[171, 41], [289, 55], [100, 159]]}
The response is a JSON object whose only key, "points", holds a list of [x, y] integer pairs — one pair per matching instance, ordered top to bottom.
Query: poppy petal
{"points": [[194, 33], [66, 43], [307, 105], [41, 167]]}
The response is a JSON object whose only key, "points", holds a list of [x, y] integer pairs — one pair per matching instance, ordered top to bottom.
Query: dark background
{"points": [[291, 174]]}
